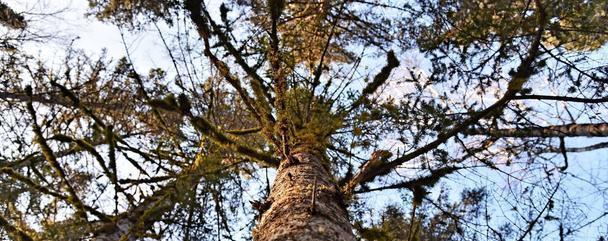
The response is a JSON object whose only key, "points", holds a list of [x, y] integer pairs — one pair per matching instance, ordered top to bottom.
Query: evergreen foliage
{"points": [[408, 99]]}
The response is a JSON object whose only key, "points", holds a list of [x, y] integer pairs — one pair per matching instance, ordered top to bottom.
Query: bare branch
{"points": [[561, 98], [570, 130], [593, 147], [428, 181]]}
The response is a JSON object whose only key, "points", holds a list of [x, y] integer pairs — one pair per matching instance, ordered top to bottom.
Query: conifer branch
{"points": [[195, 9], [11, 19], [391, 63], [319, 69], [521, 76], [260, 90], [52, 98], [78, 104], [265, 119], [244, 131], [216, 135], [229, 143], [84, 145], [87, 147], [36, 157], [52, 159], [425, 181], [42, 189], [132, 223], [14, 232]]}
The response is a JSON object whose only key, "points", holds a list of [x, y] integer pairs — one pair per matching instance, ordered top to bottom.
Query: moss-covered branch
{"points": [[11, 19], [391, 63], [520, 77], [211, 131], [229, 143], [42, 189], [74, 200], [133, 223], [15, 232]]}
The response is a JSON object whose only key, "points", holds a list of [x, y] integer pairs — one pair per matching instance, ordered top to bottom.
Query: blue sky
{"points": [[147, 51]]}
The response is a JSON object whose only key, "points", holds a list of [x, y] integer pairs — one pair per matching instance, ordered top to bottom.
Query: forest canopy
{"points": [[303, 120]]}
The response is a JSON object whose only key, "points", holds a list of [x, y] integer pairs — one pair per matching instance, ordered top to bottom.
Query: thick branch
{"points": [[11, 19], [391, 63], [561, 98], [53, 99], [570, 130], [242, 132], [216, 135], [580, 149], [377, 159], [427, 181]]}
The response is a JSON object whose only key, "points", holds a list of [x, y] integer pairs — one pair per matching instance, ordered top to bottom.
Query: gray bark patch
{"points": [[290, 216]]}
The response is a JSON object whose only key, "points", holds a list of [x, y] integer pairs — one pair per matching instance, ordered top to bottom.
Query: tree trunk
{"points": [[293, 212]]}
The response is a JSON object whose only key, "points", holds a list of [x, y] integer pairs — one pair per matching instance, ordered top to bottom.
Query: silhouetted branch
{"points": [[570, 130]]}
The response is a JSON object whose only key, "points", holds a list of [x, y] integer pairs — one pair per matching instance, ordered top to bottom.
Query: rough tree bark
{"points": [[291, 214]]}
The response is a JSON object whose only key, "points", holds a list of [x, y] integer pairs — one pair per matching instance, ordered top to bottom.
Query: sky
{"points": [[147, 51]]}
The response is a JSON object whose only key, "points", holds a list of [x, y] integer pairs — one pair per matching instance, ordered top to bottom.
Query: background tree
{"points": [[279, 119]]}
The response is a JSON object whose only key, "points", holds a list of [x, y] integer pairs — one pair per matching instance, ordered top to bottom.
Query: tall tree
{"points": [[280, 117]]}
